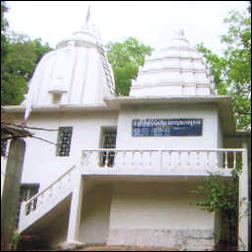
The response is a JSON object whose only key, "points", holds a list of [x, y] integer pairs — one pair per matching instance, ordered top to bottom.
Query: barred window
{"points": [[109, 138], [64, 141], [108, 141], [26, 192]]}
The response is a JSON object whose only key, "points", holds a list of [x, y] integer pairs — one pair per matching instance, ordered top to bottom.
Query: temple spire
{"points": [[88, 15], [179, 33]]}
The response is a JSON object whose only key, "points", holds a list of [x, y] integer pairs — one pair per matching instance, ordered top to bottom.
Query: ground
{"points": [[122, 248]]}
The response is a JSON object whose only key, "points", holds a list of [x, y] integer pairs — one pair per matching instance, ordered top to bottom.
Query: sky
{"points": [[152, 22]]}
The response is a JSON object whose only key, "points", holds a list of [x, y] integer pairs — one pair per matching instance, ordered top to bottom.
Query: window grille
{"points": [[109, 138], [64, 141], [108, 142]]}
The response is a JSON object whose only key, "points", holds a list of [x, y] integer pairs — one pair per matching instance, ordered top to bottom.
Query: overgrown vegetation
{"points": [[220, 196], [15, 241]]}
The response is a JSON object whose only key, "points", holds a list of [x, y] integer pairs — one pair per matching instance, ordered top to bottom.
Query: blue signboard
{"points": [[167, 127]]}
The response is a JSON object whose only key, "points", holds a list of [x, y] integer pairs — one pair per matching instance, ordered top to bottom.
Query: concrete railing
{"points": [[160, 162], [45, 200]]}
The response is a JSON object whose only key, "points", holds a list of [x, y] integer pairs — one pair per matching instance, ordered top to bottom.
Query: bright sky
{"points": [[152, 22]]}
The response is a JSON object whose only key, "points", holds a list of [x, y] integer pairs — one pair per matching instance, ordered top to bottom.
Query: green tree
{"points": [[4, 25], [238, 55], [19, 57], [125, 59], [18, 66], [218, 66], [232, 71], [221, 197]]}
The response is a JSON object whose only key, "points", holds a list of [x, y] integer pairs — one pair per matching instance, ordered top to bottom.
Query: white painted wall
{"points": [[206, 112], [220, 135], [41, 165], [157, 206], [140, 213], [95, 215], [159, 215]]}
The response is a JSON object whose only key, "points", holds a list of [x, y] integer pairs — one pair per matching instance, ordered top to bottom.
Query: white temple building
{"points": [[125, 169]]}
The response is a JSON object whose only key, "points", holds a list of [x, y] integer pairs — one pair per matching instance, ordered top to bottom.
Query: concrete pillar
{"points": [[11, 188], [243, 203], [75, 208]]}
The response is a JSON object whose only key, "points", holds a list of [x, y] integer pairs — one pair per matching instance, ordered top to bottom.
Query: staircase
{"points": [[43, 202]]}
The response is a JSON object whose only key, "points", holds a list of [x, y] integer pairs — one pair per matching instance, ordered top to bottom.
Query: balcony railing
{"points": [[160, 162]]}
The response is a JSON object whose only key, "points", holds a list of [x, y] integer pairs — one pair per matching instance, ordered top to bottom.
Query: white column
{"points": [[243, 203], [75, 208]]}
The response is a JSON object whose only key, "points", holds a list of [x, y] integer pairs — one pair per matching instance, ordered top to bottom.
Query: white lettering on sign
{"points": [[167, 127]]}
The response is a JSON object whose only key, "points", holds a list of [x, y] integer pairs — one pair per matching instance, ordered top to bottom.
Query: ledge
{"points": [[167, 99], [223, 103], [59, 108]]}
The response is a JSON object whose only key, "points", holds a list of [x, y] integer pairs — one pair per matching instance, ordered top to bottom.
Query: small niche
{"points": [[56, 98]]}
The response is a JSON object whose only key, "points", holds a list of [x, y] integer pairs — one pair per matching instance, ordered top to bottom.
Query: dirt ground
{"points": [[122, 248]]}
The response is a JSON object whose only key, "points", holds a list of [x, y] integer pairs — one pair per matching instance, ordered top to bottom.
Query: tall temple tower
{"points": [[177, 69], [77, 72]]}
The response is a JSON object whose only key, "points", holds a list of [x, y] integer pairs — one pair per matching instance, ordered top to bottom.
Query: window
{"points": [[108, 138], [64, 141], [108, 141], [26, 192]]}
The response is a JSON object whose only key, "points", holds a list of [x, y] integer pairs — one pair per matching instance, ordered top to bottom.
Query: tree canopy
{"points": [[4, 26], [19, 57], [125, 59], [232, 71]]}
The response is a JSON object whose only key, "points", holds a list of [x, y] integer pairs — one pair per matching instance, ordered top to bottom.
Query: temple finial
{"points": [[88, 15], [179, 33]]}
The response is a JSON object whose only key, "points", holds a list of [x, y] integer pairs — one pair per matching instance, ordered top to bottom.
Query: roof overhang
{"points": [[115, 101], [223, 104], [59, 108]]}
